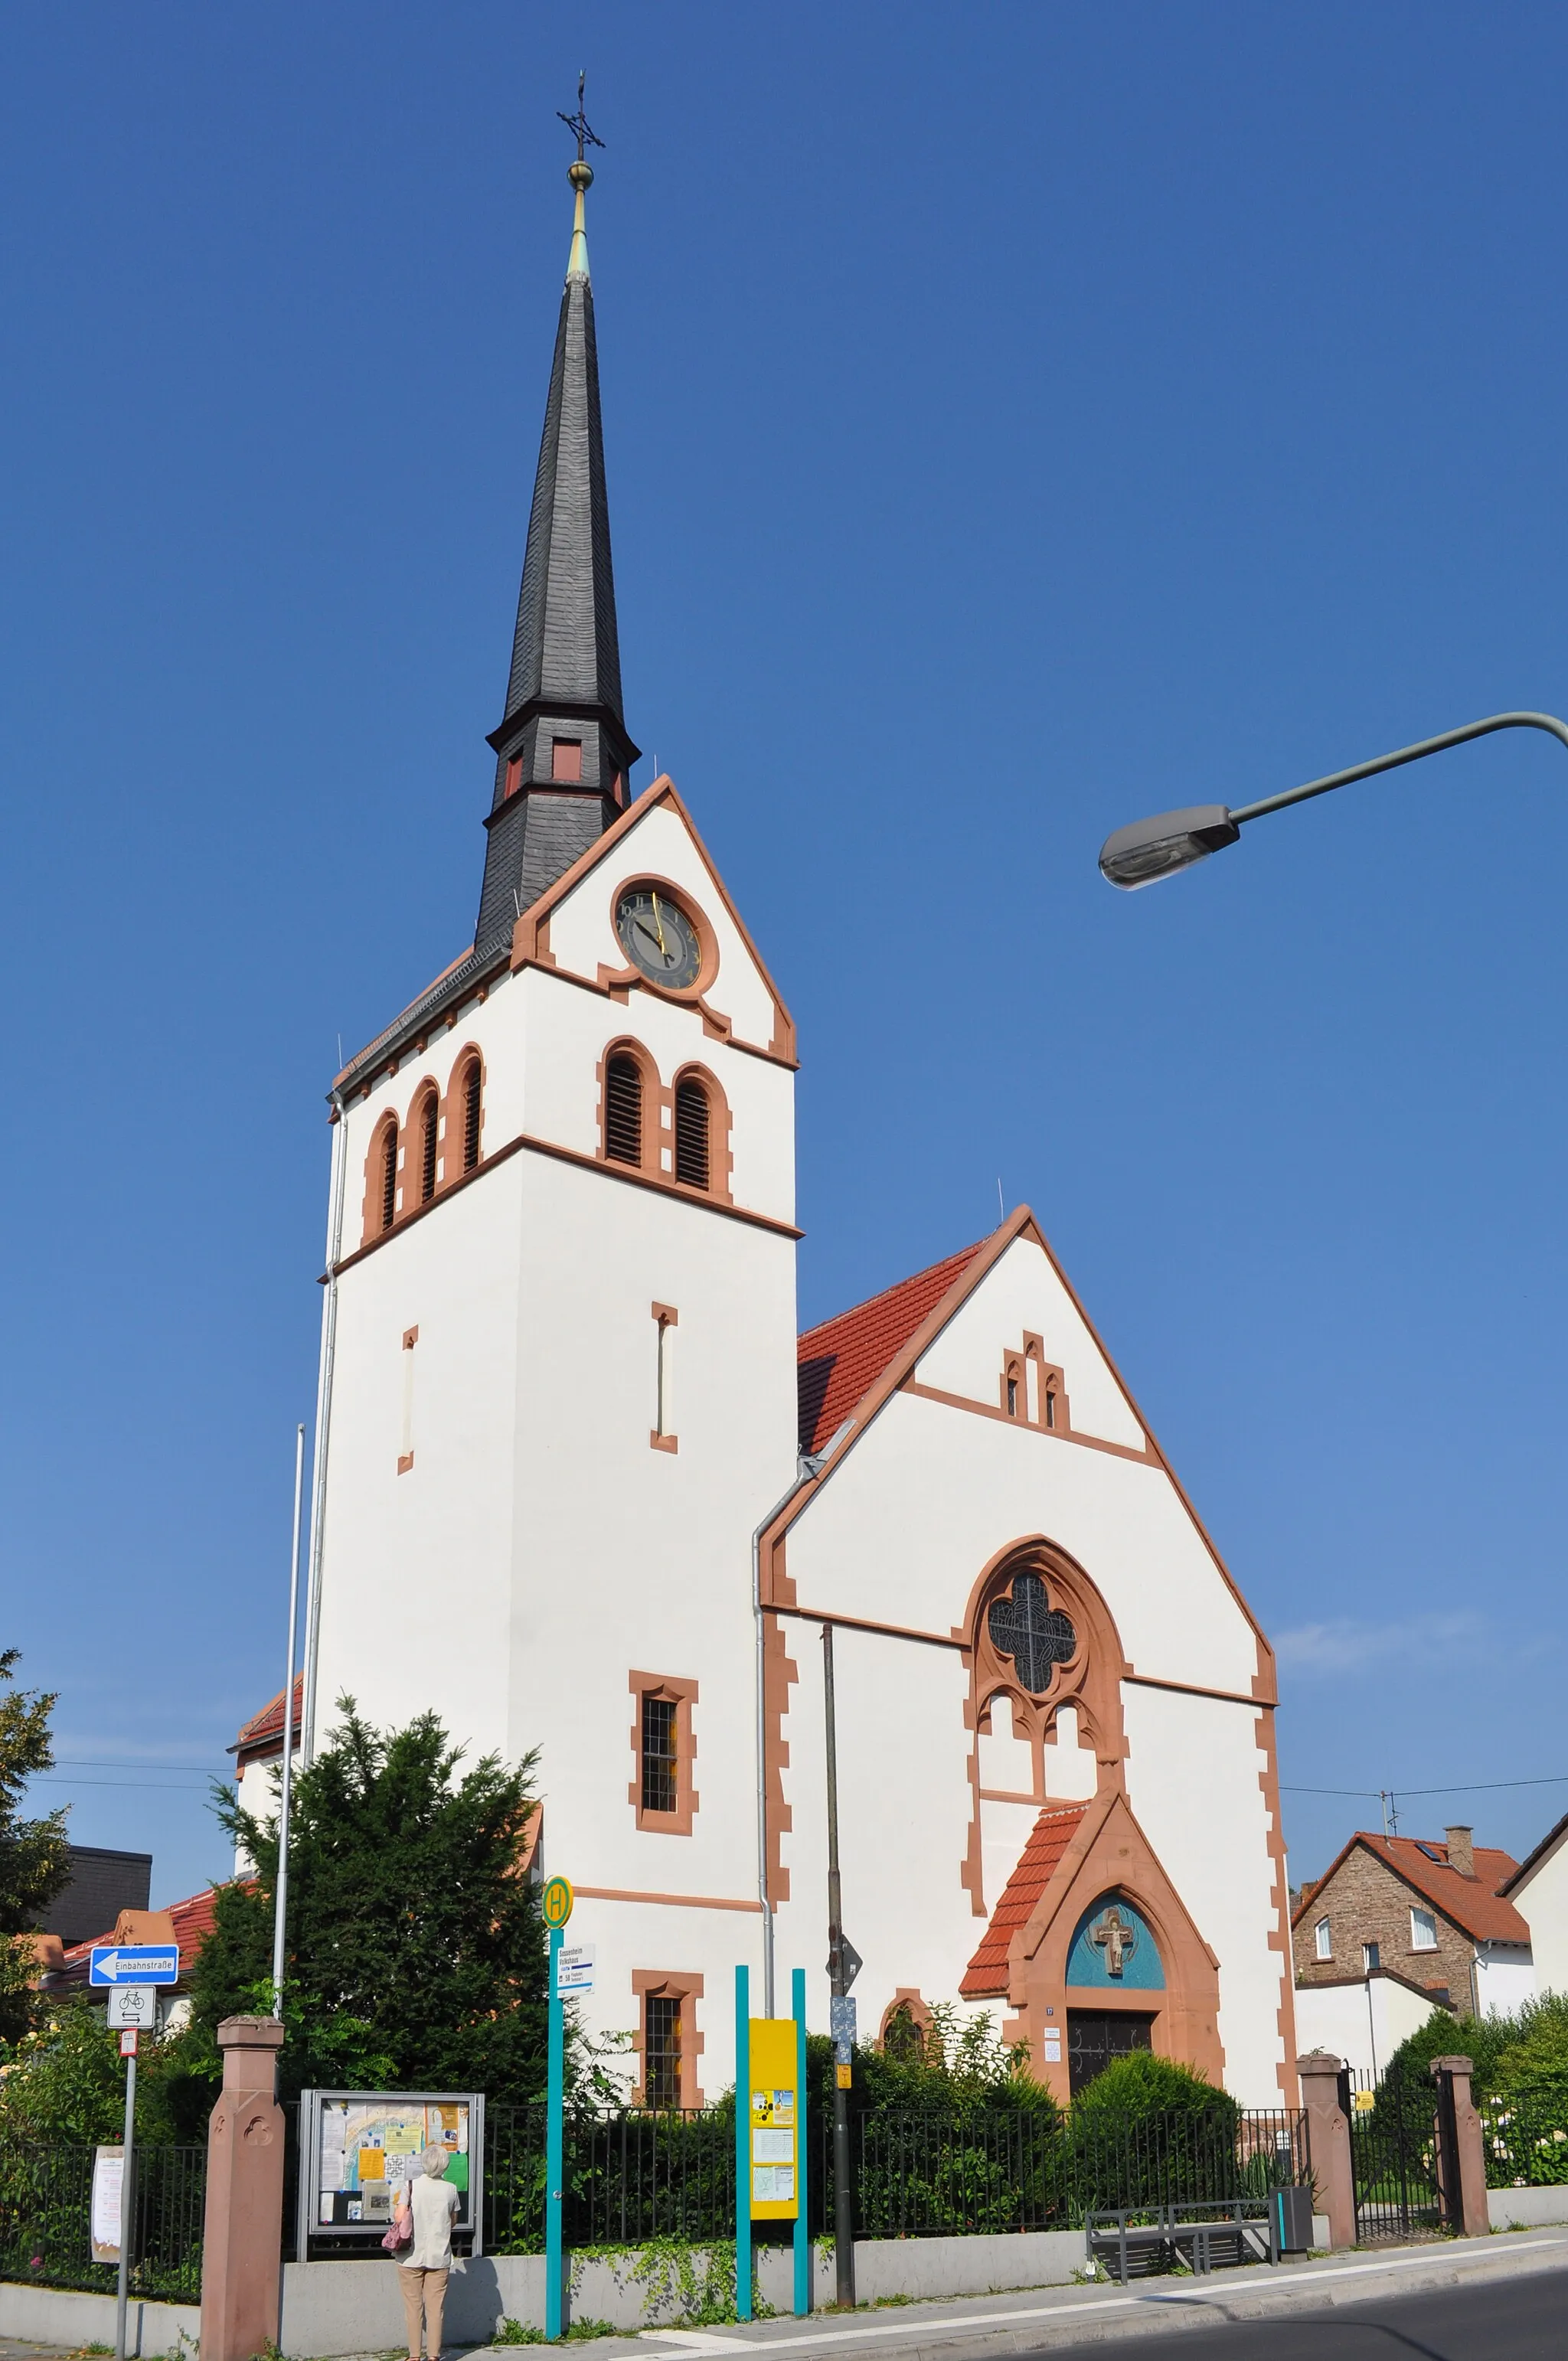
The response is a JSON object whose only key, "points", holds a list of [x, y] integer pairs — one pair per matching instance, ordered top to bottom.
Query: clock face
{"points": [[657, 937]]}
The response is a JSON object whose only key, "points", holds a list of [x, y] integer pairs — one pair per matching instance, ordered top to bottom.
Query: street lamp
{"points": [[1152, 849]]}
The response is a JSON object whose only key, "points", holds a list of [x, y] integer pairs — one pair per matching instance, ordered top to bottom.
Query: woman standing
{"points": [[425, 2207]]}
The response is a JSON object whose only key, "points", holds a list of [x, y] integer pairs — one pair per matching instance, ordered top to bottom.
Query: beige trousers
{"points": [[425, 2293]]}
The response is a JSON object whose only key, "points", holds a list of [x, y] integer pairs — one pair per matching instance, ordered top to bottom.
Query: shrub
{"points": [[1149, 2132]]}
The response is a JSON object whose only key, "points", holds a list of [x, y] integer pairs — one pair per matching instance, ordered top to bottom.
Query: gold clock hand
{"points": [[658, 922]]}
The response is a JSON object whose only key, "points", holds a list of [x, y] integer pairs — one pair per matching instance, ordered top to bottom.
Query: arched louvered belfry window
{"points": [[470, 1099], [623, 1108], [693, 1122], [429, 1128], [389, 1176]]}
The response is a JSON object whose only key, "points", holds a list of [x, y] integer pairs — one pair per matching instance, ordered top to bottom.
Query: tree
{"points": [[35, 1860], [415, 1952]]}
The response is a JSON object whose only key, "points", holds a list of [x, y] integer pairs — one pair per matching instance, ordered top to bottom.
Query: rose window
{"points": [[1037, 1636]]}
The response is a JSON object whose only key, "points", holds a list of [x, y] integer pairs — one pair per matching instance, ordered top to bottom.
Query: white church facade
{"points": [[562, 1389]]}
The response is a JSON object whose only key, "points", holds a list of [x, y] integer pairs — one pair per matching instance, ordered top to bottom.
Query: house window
{"points": [[566, 760], [472, 1109], [623, 1109], [429, 1128], [691, 1132], [389, 1176], [661, 1433], [665, 1749], [659, 1758], [1423, 1930], [1322, 1937], [1370, 1958], [661, 2049]]}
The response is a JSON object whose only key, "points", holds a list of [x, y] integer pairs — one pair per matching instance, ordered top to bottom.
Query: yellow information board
{"points": [[776, 2125]]}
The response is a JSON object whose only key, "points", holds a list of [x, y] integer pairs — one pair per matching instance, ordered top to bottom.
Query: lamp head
{"points": [[1156, 848]]}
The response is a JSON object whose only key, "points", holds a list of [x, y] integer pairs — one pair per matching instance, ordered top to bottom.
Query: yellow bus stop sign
{"points": [[557, 1902]]}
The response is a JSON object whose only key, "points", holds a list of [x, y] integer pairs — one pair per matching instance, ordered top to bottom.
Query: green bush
{"points": [[1149, 2132]]}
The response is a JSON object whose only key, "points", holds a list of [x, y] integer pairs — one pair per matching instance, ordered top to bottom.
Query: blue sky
{"points": [[1019, 418]]}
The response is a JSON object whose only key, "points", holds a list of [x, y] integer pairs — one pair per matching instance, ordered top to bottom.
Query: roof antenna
{"points": [[340, 1053], [1000, 1208]]}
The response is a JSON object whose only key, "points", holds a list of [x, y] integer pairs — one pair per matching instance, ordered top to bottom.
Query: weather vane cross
{"points": [[578, 124]]}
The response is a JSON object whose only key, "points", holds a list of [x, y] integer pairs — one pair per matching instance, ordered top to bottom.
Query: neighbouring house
{"points": [[259, 1752], [102, 1883], [1538, 1891], [1434, 1915], [186, 1924], [1362, 2019]]}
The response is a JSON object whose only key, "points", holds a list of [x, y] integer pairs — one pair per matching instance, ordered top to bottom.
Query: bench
{"points": [[1156, 2234]]}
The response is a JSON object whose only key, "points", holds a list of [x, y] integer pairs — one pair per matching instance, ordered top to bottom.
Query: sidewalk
{"points": [[1060, 2318]]}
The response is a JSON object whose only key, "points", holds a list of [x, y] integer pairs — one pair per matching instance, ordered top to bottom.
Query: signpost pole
{"points": [[742, 2143], [801, 2146], [555, 2148], [127, 2183], [843, 2190]]}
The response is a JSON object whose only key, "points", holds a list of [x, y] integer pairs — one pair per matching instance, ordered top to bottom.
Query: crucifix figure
{"points": [[578, 124], [1116, 1940]]}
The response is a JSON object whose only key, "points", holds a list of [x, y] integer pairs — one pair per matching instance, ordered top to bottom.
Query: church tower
{"points": [[558, 1375]]}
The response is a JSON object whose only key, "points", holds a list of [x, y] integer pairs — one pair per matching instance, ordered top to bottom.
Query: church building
{"points": [[562, 1390]]}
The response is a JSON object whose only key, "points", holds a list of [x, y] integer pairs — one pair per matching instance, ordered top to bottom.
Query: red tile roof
{"points": [[840, 1360], [269, 1724], [1037, 1864], [1474, 1905], [193, 1920]]}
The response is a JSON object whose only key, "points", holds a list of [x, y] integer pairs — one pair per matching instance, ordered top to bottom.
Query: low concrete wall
{"points": [[1532, 2209], [333, 2309], [42, 2316]]}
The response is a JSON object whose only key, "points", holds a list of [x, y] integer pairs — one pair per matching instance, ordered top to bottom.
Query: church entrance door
{"points": [[1095, 2036]]}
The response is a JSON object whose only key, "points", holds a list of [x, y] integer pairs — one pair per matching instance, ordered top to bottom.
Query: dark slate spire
{"points": [[563, 756]]}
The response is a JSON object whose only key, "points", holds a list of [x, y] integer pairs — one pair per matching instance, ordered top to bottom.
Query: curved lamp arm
{"points": [[1151, 848]]}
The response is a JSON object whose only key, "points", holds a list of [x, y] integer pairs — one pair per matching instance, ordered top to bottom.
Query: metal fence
{"points": [[631, 2176], [46, 2197]]}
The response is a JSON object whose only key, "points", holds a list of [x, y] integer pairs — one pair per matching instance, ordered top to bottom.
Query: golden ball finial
{"points": [[580, 175]]}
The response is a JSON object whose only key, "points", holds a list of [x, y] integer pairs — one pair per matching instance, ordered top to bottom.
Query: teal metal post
{"points": [[742, 2143], [555, 2146], [802, 2150]]}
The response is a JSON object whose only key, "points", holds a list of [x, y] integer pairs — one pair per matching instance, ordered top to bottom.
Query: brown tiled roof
{"points": [[845, 1355], [263, 1732], [1037, 1863], [1476, 1905], [193, 1920]]}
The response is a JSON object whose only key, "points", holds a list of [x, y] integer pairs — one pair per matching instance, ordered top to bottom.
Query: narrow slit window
{"points": [[623, 1110], [471, 1115], [430, 1124], [691, 1133], [390, 1176], [1012, 1397], [1050, 1401], [663, 1433], [406, 1443], [660, 1767], [662, 2050]]}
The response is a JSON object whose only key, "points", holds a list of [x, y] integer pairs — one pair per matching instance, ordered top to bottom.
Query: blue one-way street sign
{"points": [[133, 1963]]}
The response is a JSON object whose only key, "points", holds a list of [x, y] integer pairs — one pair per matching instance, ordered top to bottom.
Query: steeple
{"points": [[564, 758]]}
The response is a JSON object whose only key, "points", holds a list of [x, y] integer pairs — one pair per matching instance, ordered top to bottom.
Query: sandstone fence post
{"points": [[1328, 2134], [1466, 2206], [242, 2240]]}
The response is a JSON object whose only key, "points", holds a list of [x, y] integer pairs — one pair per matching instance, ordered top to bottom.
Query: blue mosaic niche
{"points": [[1125, 1932]]}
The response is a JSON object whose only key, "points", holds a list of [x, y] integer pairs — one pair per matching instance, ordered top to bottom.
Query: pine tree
{"points": [[35, 1860], [415, 1952]]}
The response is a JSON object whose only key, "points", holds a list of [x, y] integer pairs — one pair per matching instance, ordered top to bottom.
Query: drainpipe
{"points": [[324, 1423], [807, 1468]]}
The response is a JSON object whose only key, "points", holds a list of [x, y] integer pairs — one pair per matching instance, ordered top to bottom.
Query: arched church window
{"points": [[471, 1103], [623, 1109], [692, 1123], [429, 1126], [389, 1176], [1037, 1636]]}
